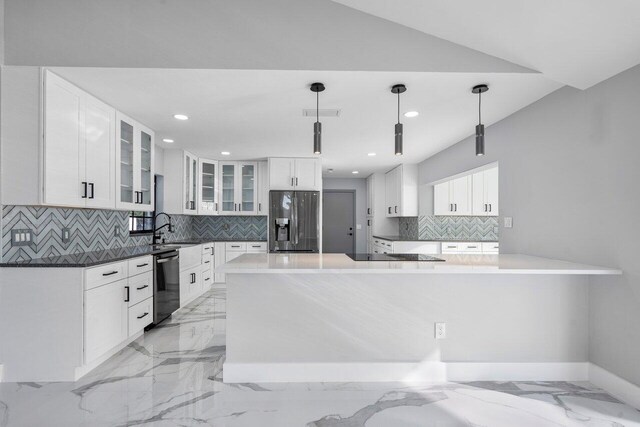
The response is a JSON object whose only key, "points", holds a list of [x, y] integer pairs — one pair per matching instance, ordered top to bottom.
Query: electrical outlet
{"points": [[508, 222], [358, 226], [116, 231], [66, 235], [22, 237], [440, 331]]}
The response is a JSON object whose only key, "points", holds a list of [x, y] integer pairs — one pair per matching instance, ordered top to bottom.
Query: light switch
{"points": [[508, 222], [358, 226], [66, 234]]}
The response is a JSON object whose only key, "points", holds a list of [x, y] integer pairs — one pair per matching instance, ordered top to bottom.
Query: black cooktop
{"points": [[393, 257]]}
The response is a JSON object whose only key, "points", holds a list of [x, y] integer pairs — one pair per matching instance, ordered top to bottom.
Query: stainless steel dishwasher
{"points": [[166, 285]]}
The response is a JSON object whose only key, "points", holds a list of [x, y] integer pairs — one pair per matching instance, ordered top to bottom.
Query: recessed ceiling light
{"points": [[411, 114], [180, 117], [168, 140], [225, 153], [371, 154], [330, 170], [355, 172]]}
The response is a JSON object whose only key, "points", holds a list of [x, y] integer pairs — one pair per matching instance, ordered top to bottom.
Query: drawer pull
{"points": [[235, 246], [255, 246], [472, 247], [207, 262], [142, 265], [110, 273], [207, 279], [142, 287], [126, 299], [145, 314]]}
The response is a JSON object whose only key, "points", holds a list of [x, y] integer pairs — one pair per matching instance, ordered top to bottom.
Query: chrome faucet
{"points": [[156, 235]]}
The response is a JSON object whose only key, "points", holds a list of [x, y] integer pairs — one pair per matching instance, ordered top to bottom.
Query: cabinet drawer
{"points": [[236, 246], [256, 246], [470, 247], [490, 247], [450, 248], [207, 249], [207, 262], [140, 265], [101, 275], [207, 279], [140, 287], [140, 315]]}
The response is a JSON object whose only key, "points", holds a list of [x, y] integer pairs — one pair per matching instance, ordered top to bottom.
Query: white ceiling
{"points": [[576, 42], [258, 114]]}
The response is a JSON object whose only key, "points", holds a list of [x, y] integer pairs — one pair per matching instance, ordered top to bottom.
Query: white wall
{"points": [[569, 177], [360, 186]]}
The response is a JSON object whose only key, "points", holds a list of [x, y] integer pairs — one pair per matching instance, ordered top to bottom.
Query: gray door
{"points": [[338, 221]]}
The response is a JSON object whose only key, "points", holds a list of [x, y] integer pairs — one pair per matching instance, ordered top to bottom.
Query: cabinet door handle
{"points": [[292, 181], [296, 181], [91, 188], [84, 189], [216, 206], [240, 207], [259, 207], [450, 207], [455, 207], [485, 207], [489, 207], [389, 209], [396, 209], [368, 223], [255, 246], [142, 265], [111, 273], [207, 279], [142, 287], [126, 299], [140, 317]]}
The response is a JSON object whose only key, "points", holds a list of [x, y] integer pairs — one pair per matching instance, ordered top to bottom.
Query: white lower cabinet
{"points": [[383, 246], [470, 248], [189, 284], [116, 298], [106, 314]]}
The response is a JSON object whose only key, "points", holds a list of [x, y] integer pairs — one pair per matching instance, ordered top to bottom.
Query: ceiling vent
{"points": [[321, 112]]}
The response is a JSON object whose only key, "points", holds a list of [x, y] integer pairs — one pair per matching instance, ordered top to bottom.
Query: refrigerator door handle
{"points": [[294, 219]]}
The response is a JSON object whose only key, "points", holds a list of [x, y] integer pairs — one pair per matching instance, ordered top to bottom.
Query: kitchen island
{"points": [[325, 317]]}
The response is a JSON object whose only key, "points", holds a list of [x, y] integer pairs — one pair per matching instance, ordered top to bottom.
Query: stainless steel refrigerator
{"points": [[295, 221]]}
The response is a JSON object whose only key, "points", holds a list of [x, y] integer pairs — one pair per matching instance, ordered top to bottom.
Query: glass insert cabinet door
{"points": [[228, 172], [190, 183], [248, 186], [126, 190], [145, 196], [208, 200]]}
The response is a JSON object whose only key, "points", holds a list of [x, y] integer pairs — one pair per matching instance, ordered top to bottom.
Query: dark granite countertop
{"points": [[404, 239], [91, 259]]}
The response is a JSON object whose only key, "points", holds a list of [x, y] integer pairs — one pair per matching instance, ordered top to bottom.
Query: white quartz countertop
{"points": [[454, 264]]}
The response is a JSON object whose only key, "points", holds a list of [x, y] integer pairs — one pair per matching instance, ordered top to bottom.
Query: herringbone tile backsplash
{"points": [[429, 227], [91, 230], [94, 230]]}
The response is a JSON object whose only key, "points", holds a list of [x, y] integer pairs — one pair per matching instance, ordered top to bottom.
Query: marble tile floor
{"points": [[172, 376]]}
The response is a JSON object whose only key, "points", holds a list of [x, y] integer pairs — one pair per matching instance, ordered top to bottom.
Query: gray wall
{"points": [[569, 177], [360, 185]]}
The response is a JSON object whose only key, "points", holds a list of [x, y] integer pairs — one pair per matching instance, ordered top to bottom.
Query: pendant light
{"points": [[398, 89], [480, 89], [317, 126]]}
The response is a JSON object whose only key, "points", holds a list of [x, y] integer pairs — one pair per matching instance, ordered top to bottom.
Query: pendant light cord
{"points": [[317, 107], [398, 107], [479, 108]]}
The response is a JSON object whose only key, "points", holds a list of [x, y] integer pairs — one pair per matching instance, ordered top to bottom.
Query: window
{"points": [[141, 222]]}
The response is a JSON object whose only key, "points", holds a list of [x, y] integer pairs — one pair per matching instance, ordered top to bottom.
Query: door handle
{"points": [[292, 181], [296, 181], [91, 188], [84, 189], [216, 206], [259, 207], [450, 207], [485, 207], [489, 207], [389, 209], [396, 209], [368, 211], [350, 234], [142, 265], [126, 299]]}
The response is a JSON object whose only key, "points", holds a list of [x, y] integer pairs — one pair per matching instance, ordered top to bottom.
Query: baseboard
{"points": [[432, 371], [614, 385]]}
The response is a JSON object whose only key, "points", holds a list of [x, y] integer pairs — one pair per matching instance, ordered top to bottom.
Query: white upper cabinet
{"points": [[78, 147], [135, 165], [302, 174], [190, 183], [208, 187], [239, 188], [263, 188], [485, 192], [474, 194], [370, 195], [401, 195], [453, 197]]}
